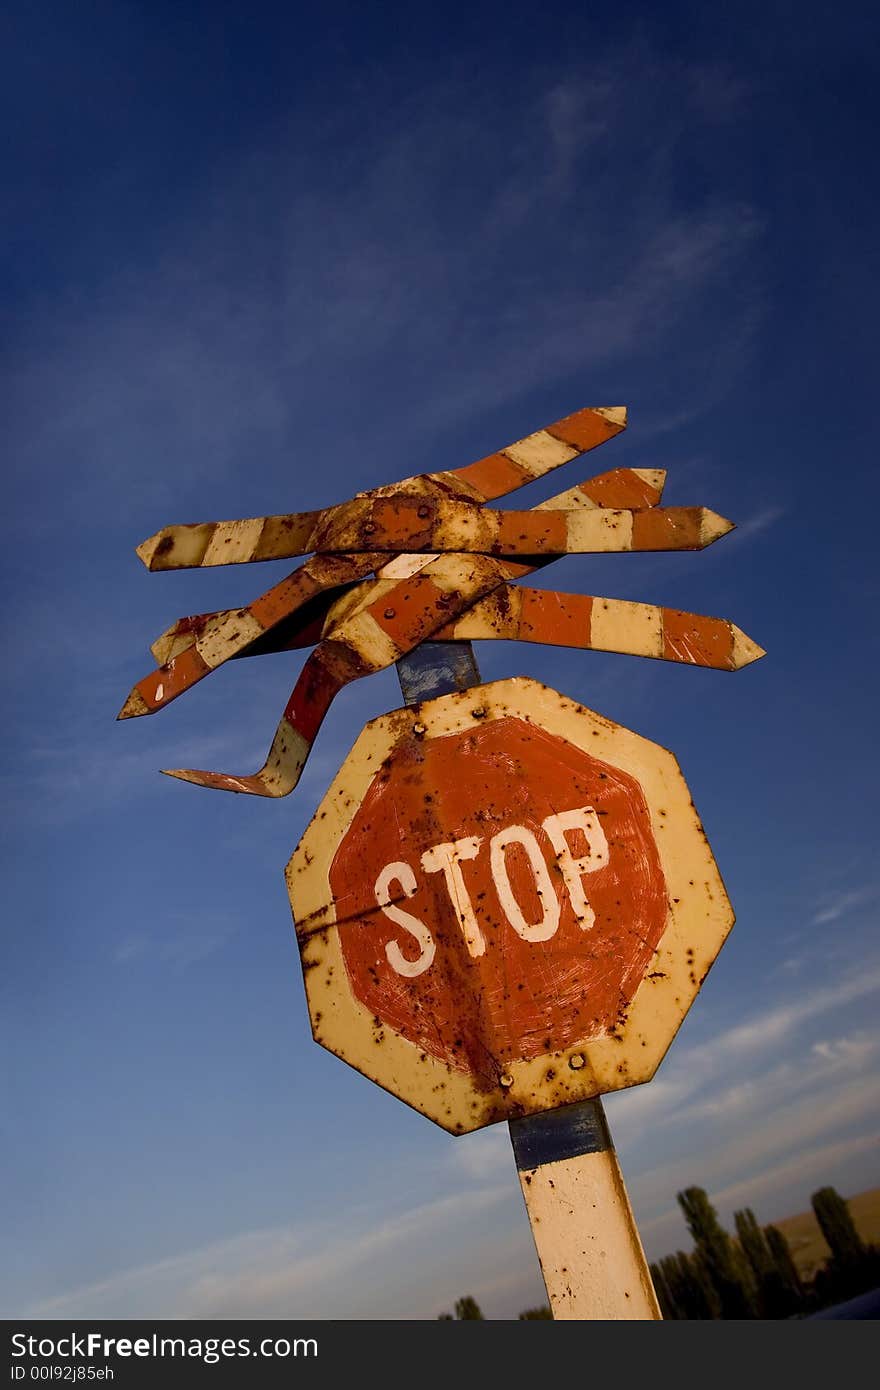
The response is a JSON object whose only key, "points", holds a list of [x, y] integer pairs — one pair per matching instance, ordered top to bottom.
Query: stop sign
{"points": [[504, 903]]}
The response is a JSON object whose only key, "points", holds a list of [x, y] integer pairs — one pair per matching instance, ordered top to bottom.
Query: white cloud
{"points": [[200, 359], [757, 523], [844, 903], [174, 938], [846, 1050], [690, 1069], [754, 1100], [735, 1151], [485, 1154], [777, 1192], [315, 1269]]}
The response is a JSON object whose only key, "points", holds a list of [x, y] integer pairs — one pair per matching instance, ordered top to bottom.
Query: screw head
{"points": [[389, 612], [419, 729], [576, 1061], [505, 1079]]}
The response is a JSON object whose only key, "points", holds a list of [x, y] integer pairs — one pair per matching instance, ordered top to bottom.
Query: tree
{"points": [[837, 1226], [715, 1249], [854, 1266], [786, 1268], [682, 1288], [665, 1296], [776, 1296], [468, 1310], [531, 1314]]}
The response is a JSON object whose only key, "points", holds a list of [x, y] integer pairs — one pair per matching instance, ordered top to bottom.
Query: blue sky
{"points": [[258, 258]]}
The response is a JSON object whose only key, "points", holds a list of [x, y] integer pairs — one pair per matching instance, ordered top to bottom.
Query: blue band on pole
{"points": [[437, 668], [554, 1135]]}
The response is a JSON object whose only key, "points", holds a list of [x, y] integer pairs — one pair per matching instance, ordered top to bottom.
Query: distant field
{"points": [[807, 1244]]}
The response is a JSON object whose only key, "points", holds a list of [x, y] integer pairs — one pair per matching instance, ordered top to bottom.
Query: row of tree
{"points": [[754, 1275], [751, 1276], [467, 1309]]}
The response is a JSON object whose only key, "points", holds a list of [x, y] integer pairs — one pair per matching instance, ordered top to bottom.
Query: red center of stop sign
{"points": [[498, 895]]}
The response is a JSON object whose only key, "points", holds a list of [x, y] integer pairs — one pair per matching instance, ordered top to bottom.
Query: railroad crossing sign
{"points": [[461, 589], [504, 903]]}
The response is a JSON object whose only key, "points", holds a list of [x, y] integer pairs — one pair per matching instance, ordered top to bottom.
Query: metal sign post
{"points": [[505, 903], [582, 1223], [584, 1230]]}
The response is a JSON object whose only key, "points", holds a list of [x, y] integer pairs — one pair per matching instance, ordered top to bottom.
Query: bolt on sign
{"points": [[504, 903]]}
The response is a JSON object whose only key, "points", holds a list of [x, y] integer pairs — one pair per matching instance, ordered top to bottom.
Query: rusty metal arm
{"points": [[631, 488], [421, 524], [274, 537], [432, 605], [515, 613], [388, 620], [578, 621], [213, 639], [369, 639], [193, 647]]}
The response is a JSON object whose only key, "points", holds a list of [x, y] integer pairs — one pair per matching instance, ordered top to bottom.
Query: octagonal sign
{"points": [[504, 903]]}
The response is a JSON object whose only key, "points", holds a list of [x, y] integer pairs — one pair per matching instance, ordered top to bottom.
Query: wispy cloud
{"points": [[176, 376], [758, 523], [844, 903], [175, 939], [689, 1070], [744, 1099], [757, 1135], [486, 1154], [776, 1190], [309, 1270]]}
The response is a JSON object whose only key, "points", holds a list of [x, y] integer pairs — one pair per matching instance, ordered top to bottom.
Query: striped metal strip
{"points": [[520, 463], [622, 487], [414, 524], [301, 533], [604, 624], [214, 638], [365, 641], [195, 646]]}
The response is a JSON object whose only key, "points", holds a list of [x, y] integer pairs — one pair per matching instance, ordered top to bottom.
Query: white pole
{"points": [[591, 1256]]}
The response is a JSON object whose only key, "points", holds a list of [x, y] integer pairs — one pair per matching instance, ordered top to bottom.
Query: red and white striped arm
{"points": [[522, 462], [620, 488], [421, 523], [301, 533], [515, 613], [391, 616], [376, 637], [214, 638], [369, 639], [193, 647], [329, 667]]}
